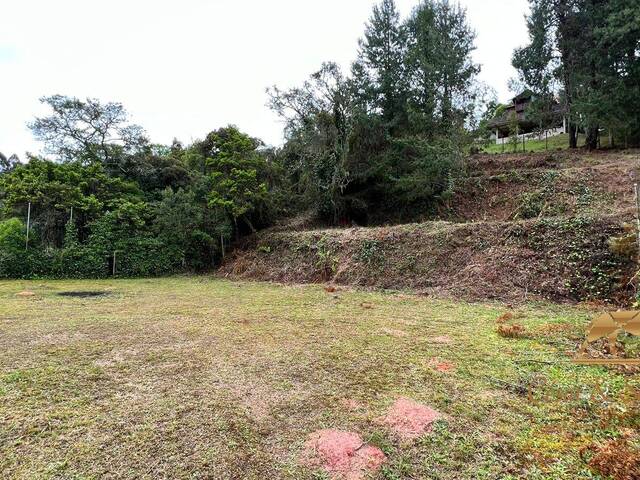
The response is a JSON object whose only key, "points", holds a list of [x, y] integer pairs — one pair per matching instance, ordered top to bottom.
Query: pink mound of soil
{"points": [[26, 293], [441, 366], [409, 419], [342, 454]]}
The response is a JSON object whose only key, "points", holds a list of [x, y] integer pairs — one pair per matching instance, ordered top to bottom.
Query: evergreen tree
{"points": [[440, 67], [378, 72]]}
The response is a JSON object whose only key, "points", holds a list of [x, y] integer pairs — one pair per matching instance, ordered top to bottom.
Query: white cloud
{"points": [[183, 68]]}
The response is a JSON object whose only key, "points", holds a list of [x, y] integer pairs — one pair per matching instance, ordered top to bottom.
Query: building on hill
{"points": [[515, 118]]}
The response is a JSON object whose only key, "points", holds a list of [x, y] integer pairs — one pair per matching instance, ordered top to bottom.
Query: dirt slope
{"points": [[517, 226]]}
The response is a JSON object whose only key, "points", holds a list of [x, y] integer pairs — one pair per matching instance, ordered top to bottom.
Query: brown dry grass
{"points": [[513, 330]]}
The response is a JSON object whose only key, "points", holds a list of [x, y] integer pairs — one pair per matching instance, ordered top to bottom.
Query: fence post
{"points": [[26, 244], [114, 264]]}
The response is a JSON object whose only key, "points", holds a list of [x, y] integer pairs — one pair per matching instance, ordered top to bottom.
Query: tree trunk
{"points": [[573, 138], [592, 138], [250, 225]]}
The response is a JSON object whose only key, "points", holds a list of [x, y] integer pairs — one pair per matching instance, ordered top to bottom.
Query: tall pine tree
{"points": [[440, 66], [378, 72]]}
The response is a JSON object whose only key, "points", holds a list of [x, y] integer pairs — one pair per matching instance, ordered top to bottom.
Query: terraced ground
{"points": [[514, 227], [197, 377]]}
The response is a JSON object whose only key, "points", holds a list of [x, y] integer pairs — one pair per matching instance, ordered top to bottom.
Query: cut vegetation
{"points": [[516, 226]]}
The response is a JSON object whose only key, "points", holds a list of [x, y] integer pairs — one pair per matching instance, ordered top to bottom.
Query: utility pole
{"points": [[26, 245]]}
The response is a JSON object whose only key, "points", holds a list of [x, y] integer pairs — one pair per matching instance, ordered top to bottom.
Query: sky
{"points": [[185, 67]]}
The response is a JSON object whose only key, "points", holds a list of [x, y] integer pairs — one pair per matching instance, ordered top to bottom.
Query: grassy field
{"points": [[207, 378]]}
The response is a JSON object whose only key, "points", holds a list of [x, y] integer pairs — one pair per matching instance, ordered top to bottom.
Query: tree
{"points": [[617, 39], [591, 48], [440, 67], [379, 71], [319, 120], [87, 131], [8, 164], [234, 167], [54, 188], [179, 220]]}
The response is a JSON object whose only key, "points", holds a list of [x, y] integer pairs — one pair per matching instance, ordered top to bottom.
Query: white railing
{"points": [[551, 132]]}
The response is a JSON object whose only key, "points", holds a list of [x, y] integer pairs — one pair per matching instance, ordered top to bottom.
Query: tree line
{"points": [[383, 141]]}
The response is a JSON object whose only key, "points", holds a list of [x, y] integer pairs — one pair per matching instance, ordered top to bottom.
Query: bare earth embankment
{"points": [[516, 226]]}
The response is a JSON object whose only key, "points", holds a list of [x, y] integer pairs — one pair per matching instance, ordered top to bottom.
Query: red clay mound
{"points": [[441, 366], [409, 419], [343, 455]]}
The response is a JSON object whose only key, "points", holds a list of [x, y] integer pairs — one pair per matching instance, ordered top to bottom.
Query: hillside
{"points": [[515, 227]]}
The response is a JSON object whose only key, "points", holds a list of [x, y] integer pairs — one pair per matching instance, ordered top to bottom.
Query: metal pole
{"points": [[71, 219], [222, 244], [26, 245], [114, 263]]}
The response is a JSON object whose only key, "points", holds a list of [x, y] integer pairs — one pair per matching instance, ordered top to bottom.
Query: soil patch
{"points": [[26, 293], [441, 339], [441, 366], [409, 419], [343, 455]]}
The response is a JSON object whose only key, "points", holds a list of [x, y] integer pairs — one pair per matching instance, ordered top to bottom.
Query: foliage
{"points": [[585, 52], [440, 67], [379, 73], [87, 131], [385, 142], [154, 209]]}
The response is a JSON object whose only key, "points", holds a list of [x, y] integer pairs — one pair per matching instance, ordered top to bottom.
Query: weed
{"points": [[264, 249], [370, 252]]}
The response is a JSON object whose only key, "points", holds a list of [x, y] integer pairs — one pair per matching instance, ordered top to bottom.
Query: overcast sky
{"points": [[185, 67]]}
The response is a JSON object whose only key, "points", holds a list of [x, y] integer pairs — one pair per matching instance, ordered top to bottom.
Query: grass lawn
{"points": [[557, 142], [197, 377]]}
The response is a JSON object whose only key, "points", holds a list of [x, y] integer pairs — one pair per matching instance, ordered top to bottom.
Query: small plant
{"points": [[532, 204], [625, 245], [264, 249], [370, 251], [325, 261]]}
